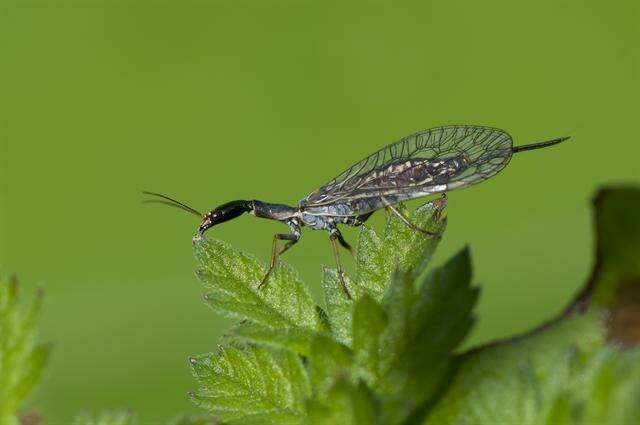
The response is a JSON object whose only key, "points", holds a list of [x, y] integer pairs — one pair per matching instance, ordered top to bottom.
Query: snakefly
{"points": [[431, 161]]}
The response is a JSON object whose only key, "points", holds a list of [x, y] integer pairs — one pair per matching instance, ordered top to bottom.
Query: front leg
{"points": [[291, 239]]}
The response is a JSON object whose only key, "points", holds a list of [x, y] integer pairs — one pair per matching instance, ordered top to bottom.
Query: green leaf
{"points": [[400, 247], [232, 280], [339, 306], [369, 323], [425, 325], [295, 339], [386, 355], [22, 359], [329, 363], [570, 370], [518, 381], [251, 384], [604, 389], [611, 390], [344, 404], [110, 417]]}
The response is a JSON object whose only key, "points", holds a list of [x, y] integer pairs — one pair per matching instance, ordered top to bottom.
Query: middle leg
{"points": [[354, 221], [333, 236], [275, 253]]}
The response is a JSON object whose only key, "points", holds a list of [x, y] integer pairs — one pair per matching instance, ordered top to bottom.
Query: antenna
{"points": [[170, 201]]}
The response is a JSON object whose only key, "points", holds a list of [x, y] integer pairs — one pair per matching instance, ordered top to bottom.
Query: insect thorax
{"points": [[317, 222]]}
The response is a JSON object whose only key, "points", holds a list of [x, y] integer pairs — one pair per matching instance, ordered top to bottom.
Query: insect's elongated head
{"points": [[224, 212]]}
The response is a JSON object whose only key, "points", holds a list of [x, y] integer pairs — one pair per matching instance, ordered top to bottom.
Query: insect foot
{"points": [[263, 283]]}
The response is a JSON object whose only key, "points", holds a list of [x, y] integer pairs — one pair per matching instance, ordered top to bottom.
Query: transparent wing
{"points": [[485, 151]]}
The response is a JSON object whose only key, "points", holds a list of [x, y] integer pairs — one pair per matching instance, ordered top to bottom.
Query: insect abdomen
{"points": [[415, 172]]}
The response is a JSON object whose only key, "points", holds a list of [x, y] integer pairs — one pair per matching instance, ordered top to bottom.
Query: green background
{"points": [[222, 100]]}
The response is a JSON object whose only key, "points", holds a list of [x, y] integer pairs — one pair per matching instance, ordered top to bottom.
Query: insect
{"points": [[432, 161]]}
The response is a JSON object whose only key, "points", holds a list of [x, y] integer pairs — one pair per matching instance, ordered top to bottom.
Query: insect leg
{"points": [[354, 221], [408, 222], [335, 234], [291, 239], [344, 243]]}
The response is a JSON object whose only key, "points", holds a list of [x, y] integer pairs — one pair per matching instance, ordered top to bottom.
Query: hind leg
{"points": [[408, 222]]}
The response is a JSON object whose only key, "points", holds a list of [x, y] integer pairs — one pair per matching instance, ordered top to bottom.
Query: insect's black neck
{"points": [[272, 211]]}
